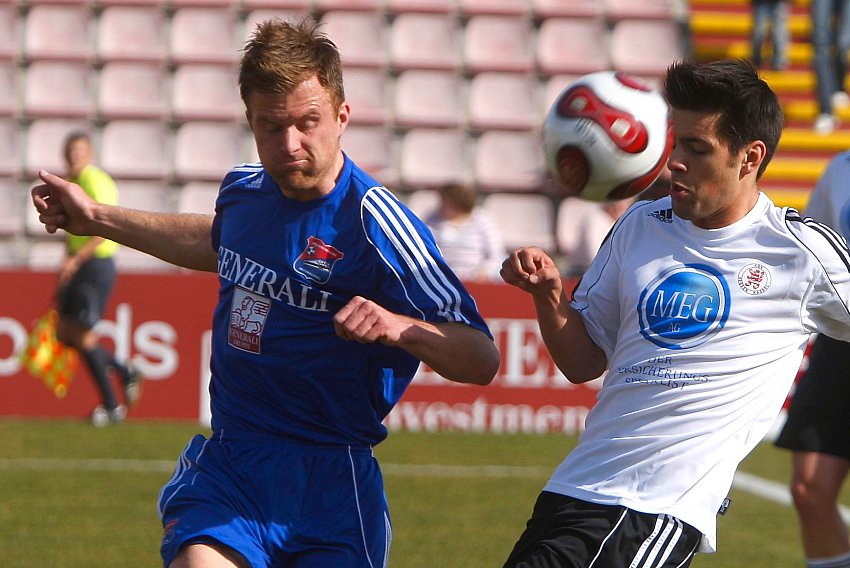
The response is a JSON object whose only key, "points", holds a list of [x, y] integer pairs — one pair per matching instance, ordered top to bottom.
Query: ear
{"points": [[343, 115], [753, 157]]}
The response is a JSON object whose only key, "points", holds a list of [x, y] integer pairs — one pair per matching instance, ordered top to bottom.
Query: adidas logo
{"points": [[255, 183], [663, 215]]}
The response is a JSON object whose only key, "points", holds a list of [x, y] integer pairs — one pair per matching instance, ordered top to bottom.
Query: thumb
{"points": [[50, 178], [548, 274]]}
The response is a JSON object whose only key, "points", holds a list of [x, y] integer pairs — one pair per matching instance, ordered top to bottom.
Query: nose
{"points": [[291, 140], [674, 162]]}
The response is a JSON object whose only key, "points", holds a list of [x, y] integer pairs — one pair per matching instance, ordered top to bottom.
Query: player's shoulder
{"points": [[245, 176], [656, 213], [818, 238]]}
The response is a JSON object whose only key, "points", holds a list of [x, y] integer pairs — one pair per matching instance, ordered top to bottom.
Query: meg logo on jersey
{"points": [[683, 306]]}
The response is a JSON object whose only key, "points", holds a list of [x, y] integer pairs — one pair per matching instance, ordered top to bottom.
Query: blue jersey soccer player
{"points": [[330, 294]]}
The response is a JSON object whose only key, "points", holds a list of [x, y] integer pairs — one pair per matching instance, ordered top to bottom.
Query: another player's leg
{"points": [[816, 481]]}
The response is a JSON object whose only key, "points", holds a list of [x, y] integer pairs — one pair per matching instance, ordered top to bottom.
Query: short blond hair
{"points": [[281, 55]]}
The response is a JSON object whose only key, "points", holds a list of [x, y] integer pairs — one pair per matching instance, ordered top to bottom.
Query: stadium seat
{"points": [[107, 3], [177, 4], [278, 5], [351, 5], [422, 6], [495, 7], [542, 9], [649, 9], [258, 15], [9, 31], [58, 32], [132, 33], [204, 35], [360, 37], [425, 41], [498, 43], [572, 45], [646, 47], [45, 79], [553, 87], [8, 88], [132, 90], [206, 92], [368, 92], [428, 98], [503, 101], [11, 142], [44, 143], [372, 148], [136, 149], [205, 151], [432, 157], [509, 161], [148, 195], [197, 197], [13, 199], [423, 202], [524, 219], [580, 227], [12, 254], [47, 255]]}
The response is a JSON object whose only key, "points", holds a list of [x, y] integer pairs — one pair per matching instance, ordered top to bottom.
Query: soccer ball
{"points": [[607, 136]]}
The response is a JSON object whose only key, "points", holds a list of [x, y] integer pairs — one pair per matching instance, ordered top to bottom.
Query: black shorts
{"points": [[84, 298], [818, 416], [564, 532]]}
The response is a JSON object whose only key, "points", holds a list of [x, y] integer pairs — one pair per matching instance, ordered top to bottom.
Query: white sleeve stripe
{"points": [[254, 173], [407, 242], [436, 276]]}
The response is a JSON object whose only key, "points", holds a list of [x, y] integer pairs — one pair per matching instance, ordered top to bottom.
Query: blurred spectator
{"points": [[773, 13], [831, 40], [466, 234], [86, 279]]}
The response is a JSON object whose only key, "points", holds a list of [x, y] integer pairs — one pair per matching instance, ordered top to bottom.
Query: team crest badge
{"points": [[317, 260], [754, 279]]}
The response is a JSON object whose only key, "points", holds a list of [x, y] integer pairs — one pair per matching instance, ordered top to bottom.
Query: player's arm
{"points": [[180, 239], [562, 329], [455, 351]]}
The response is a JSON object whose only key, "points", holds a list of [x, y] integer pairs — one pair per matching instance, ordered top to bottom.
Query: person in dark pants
{"points": [[86, 280]]}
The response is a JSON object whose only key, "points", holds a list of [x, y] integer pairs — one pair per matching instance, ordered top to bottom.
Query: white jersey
{"points": [[704, 331]]}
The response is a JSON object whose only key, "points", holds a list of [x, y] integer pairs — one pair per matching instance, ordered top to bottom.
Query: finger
{"points": [[52, 179], [549, 276]]}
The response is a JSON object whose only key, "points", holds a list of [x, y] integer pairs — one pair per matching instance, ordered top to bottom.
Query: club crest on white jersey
{"points": [[754, 279], [683, 306]]}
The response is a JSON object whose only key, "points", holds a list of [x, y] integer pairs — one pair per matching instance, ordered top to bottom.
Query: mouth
{"points": [[678, 190]]}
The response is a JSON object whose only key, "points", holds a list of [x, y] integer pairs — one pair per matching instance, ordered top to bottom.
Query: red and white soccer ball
{"points": [[607, 136]]}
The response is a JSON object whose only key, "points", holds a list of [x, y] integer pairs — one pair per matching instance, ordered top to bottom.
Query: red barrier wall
{"points": [[162, 322]]}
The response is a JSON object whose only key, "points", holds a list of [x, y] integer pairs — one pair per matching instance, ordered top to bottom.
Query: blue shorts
{"points": [[278, 504]]}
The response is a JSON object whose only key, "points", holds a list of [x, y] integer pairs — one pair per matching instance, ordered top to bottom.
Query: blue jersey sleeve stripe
{"points": [[410, 247]]}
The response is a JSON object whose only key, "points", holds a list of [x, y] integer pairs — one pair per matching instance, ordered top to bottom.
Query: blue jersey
{"points": [[285, 268]]}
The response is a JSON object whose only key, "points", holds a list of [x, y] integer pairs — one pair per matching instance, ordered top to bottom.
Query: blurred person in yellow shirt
{"points": [[86, 279]]}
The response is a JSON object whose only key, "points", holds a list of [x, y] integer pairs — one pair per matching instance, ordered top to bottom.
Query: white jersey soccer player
{"points": [[679, 412]]}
